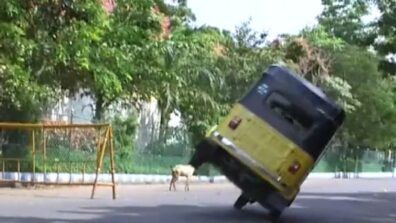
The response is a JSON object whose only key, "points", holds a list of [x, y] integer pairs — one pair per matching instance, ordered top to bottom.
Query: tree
{"points": [[343, 19], [67, 36], [383, 38], [82, 47], [311, 54], [246, 57], [125, 60], [218, 74], [348, 74], [190, 78], [22, 97], [372, 124]]}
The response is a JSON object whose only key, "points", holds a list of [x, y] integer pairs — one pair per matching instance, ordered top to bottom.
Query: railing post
{"points": [[45, 150], [34, 154], [100, 160], [112, 164], [394, 164], [3, 167], [19, 169]]}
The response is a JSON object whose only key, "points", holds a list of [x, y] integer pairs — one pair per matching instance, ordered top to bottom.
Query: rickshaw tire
{"points": [[208, 148], [204, 153], [241, 202], [275, 214]]}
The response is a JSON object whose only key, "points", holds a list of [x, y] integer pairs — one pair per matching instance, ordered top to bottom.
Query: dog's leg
{"points": [[175, 177], [174, 182], [170, 185], [174, 185], [187, 188]]}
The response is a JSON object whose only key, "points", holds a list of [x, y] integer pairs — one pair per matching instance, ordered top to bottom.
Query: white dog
{"points": [[184, 171]]}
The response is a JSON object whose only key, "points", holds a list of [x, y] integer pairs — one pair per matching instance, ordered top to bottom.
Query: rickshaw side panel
{"points": [[270, 157]]}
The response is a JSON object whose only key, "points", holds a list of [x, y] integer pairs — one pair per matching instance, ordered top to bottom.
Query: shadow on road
{"points": [[362, 207], [308, 208], [163, 213]]}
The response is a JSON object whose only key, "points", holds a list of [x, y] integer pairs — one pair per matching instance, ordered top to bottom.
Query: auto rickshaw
{"points": [[272, 138]]}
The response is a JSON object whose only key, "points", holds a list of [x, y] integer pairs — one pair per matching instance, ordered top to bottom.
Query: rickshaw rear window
{"points": [[289, 111]]}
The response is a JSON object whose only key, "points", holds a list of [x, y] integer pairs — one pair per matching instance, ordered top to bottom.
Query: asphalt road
{"points": [[324, 201]]}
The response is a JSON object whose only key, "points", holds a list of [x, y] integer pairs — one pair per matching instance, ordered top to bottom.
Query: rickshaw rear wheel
{"points": [[204, 152], [241, 202], [275, 214]]}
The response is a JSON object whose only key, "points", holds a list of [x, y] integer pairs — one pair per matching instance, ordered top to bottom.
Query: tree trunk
{"points": [[99, 104]]}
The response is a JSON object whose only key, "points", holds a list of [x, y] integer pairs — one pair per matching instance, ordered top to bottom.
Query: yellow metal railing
{"points": [[104, 145]]}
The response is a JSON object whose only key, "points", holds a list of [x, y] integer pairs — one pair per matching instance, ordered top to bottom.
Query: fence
{"points": [[174, 147], [52, 153], [74, 154], [159, 155], [156, 159], [357, 160]]}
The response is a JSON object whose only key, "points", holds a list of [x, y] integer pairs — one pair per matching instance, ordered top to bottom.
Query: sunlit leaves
{"points": [[340, 90]]}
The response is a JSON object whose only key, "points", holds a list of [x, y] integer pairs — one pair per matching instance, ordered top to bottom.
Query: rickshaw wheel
{"points": [[203, 153], [241, 202], [275, 214]]}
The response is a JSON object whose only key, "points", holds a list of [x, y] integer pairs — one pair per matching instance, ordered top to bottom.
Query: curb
{"points": [[103, 178], [158, 179]]}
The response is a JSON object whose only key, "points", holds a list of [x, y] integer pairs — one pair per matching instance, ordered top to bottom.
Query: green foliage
{"points": [[343, 19], [384, 28], [319, 37], [310, 54], [244, 61], [188, 78], [221, 78], [18, 89], [22, 97], [372, 123], [124, 130], [172, 142]]}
